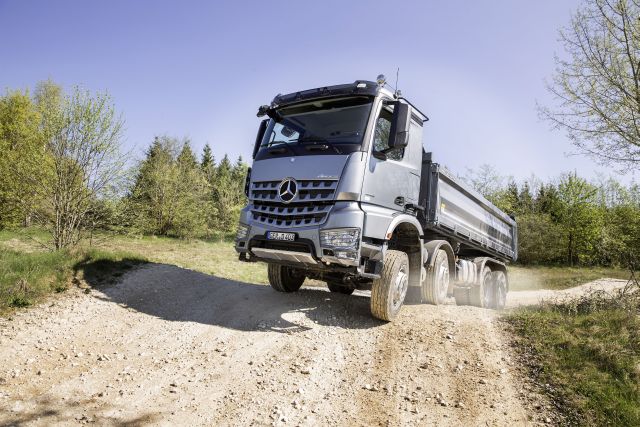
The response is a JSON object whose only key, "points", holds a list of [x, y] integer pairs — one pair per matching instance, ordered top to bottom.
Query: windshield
{"points": [[327, 122]]}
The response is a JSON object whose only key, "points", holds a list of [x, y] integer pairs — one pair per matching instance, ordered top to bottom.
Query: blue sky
{"points": [[201, 69]]}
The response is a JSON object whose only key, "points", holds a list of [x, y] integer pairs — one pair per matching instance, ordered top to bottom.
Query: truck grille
{"points": [[311, 205]]}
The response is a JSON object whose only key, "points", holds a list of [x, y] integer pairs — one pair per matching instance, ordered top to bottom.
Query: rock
{"points": [[503, 371], [482, 381], [547, 420]]}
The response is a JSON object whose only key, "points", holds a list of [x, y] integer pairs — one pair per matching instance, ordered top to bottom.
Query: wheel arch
{"points": [[405, 234]]}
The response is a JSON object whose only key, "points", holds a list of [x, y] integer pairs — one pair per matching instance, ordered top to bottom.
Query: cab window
{"points": [[381, 136]]}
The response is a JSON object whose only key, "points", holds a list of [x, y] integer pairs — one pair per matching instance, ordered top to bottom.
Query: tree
{"points": [[597, 88], [82, 134], [20, 141], [208, 163], [485, 180], [169, 196], [190, 211], [578, 216]]}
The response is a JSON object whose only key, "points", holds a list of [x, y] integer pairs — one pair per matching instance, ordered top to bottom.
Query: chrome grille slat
{"points": [[311, 206]]}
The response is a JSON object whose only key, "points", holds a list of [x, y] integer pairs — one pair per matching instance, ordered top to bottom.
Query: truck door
{"points": [[394, 182]]}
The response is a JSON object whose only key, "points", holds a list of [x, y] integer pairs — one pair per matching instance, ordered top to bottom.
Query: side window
{"points": [[381, 136]]}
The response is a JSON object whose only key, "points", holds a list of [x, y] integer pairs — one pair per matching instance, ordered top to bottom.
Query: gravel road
{"points": [[173, 346]]}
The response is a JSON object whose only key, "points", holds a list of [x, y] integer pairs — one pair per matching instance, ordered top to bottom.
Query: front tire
{"points": [[284, 279], [436, 285], [389, 291]]}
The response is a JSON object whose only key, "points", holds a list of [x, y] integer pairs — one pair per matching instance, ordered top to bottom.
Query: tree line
{"points": [[62, 167], [569, 220]]}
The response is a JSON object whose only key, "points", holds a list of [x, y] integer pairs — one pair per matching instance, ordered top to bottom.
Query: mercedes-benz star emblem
{"points": [[288, 190]]}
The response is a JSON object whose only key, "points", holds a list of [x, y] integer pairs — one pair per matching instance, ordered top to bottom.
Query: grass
{"points": [[217, 258], [26, 277], [541, 277], [588, 351]]}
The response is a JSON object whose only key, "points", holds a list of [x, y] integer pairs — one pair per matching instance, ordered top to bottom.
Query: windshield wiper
{"points": [[315, 139], [321, 147], [281, 149]]}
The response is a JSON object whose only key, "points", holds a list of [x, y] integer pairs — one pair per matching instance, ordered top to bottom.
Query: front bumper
{"points": [[307, 248]]}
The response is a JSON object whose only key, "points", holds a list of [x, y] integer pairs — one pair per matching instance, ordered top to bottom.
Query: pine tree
{"points": [[208, 163]]}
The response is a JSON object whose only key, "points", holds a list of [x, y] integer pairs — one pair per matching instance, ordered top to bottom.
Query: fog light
{"points": [[243, 232], [340, 238]]}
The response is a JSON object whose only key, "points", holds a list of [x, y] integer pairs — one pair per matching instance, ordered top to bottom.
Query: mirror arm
{"points": [[380, 155]]}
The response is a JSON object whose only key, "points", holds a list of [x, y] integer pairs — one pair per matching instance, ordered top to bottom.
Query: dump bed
{"points": [[453, 210]]}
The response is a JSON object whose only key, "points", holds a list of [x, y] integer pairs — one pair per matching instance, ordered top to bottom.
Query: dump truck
{"points": [[342, 190]]}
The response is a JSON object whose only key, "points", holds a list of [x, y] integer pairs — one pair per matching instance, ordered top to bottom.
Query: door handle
{"points": [[399, 201]]}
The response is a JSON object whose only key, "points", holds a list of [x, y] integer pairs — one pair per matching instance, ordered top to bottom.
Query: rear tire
{"points": [[284, 279], [499, 283], [436, 284], [335, 287], [389, 291], [481, 294]]}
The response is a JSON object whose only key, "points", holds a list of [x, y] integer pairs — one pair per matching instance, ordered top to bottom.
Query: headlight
{"points": [[243, 231], [340, 238]]}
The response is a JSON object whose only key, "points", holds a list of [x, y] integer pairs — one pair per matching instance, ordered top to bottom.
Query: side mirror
{"points": [[262, 110], [261, 130], [399, 132]]}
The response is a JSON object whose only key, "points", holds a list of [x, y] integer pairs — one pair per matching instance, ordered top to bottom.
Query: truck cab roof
{"points": [[357, 88]]}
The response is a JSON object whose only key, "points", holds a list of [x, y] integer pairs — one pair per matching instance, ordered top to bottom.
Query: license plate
{"points": [[276, 235]]}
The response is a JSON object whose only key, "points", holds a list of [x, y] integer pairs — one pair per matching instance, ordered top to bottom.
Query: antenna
{"points": [[397, 77]]}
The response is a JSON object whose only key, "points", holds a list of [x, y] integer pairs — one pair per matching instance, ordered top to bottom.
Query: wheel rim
{"points": [[442, 277], [400, 287], [487, 291], [501, 291]]}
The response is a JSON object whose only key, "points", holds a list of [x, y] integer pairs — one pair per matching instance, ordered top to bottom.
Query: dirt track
{"points": [[173, 346]]}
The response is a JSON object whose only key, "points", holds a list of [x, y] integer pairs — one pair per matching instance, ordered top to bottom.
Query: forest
{"points": [[63, 168]]}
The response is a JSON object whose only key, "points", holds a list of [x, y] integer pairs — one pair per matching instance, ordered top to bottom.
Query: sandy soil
{"points": [[173, 346]]}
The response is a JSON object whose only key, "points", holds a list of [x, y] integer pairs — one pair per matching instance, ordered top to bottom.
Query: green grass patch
{"points": [[214, 257], [26, 277], [539, 277], [588, 349]]}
